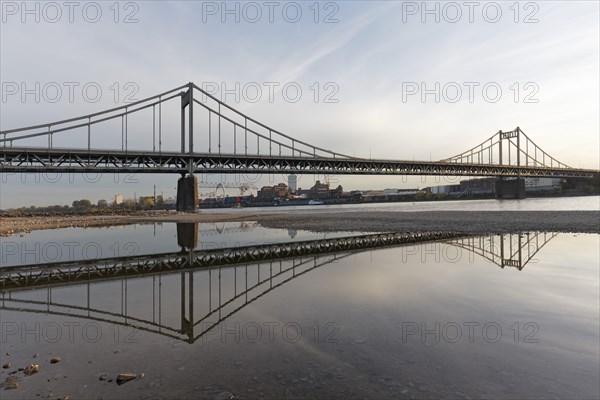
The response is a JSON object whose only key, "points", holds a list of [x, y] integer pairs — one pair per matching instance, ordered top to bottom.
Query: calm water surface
{"points": [[531, 204], [488, 317]]}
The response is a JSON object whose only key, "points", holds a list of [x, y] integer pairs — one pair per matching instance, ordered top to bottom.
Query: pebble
{"points": [[36, 355], [55, 360], [7, 366], [31, 369], [103, 377], [125, 377], [224, 396]]}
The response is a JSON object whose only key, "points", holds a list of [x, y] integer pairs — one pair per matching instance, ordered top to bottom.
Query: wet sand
{"points": [[372, 221], [483, 222]]}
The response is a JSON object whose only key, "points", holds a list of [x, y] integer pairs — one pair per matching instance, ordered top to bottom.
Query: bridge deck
{"points": [[29, 159]]}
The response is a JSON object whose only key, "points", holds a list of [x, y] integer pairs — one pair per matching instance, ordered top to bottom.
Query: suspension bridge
{"points": [[187, 131], [227, 279]]}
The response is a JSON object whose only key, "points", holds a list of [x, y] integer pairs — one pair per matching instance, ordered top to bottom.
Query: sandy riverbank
{"points": [[372, 221], [19, 225]]}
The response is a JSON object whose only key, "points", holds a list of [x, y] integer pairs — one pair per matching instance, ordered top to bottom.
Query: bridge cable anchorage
{"points": [[513, 144]]}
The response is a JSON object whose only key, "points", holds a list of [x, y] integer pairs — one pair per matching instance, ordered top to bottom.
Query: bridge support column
{"points": [[510, 188], [187, 194]]}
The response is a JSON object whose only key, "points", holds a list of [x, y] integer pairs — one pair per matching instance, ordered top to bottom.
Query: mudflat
{"points": [[330, 221]]}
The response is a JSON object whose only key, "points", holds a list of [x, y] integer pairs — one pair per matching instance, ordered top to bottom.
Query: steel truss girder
{"points": [[14, 160]]}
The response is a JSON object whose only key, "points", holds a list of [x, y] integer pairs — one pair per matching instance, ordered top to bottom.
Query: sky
{"points": [[394, 80]]}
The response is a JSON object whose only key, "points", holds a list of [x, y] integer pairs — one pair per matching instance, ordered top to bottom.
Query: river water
{"points": [[530, 204], [512, 316]]}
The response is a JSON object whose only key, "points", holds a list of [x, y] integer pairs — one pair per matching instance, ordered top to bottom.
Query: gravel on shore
{"points": [[483, 222]]}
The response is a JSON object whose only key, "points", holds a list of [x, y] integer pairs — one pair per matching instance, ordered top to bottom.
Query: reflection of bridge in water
{"points": [[224, 228], [187, 234], [508, 250], [234, 277]]}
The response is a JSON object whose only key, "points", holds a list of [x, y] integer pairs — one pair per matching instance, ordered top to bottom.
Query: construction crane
{"points": [[220, 186]]}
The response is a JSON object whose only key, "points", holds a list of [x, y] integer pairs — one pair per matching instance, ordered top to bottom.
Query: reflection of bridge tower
{"points": [[187, 235], [506, 250]]}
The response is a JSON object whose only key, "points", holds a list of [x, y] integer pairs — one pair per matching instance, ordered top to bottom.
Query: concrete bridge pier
{"points": [[510, 188], [187, 193]]}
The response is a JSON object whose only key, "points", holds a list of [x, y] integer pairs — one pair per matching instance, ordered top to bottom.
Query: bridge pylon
{"points": [[187, 186], [510, 188]]}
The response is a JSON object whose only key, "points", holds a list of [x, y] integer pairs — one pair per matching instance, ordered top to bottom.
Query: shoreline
{"points": [[484, 222]]}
